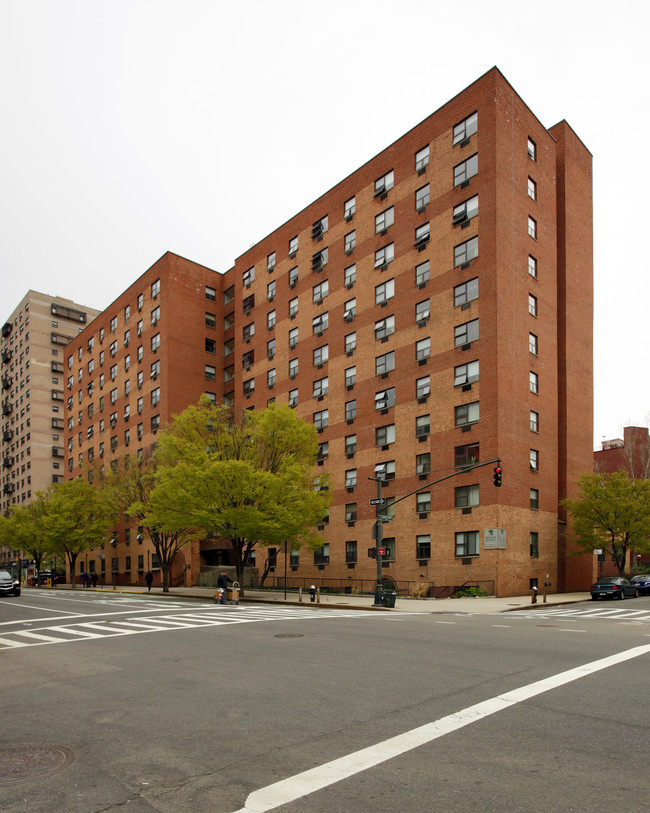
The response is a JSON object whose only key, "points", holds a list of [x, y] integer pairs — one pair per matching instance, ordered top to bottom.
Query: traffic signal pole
{"points": [[379, 589]]}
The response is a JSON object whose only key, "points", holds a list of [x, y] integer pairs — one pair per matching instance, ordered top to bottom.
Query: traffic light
{"points": [[497, 476], [372, 553]]}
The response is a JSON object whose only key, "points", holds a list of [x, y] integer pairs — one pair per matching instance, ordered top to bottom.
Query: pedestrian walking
{"points": [[93, 578], [85, 579], [149, 580], [222, 586]]}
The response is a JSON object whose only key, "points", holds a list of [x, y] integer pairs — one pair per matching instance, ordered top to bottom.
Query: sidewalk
{"points": [[489, 604]]}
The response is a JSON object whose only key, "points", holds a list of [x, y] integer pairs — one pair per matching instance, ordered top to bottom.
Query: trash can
{"points": [[232, 593], [389, 599]]}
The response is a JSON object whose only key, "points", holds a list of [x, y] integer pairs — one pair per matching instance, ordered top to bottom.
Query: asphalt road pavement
{"points": [[156, 704]]}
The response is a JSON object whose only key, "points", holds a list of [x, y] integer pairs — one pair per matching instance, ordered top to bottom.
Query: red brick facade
{"points": [[479, 341]]}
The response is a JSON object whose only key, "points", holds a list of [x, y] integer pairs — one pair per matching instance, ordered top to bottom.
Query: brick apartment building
{"points": [[430, 311], [33, 347]]}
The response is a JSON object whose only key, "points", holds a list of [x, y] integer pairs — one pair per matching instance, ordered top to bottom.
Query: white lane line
{"points": [[68, 613], [445, 622], [502, 626], [574, 630], [37, 637], [8, 643], [302, 784]]}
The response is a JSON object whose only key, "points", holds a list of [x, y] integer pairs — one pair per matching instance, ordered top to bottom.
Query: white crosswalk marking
{"points": [[606, 613], [218, 617]]}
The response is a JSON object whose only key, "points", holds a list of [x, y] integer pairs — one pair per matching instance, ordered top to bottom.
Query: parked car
{"points": [[45, 577], [642, 584], [8, 585], [613, 587]]}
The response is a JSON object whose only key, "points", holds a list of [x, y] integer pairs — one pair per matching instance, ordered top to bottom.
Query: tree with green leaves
{"points": [[249, 481], [126, 491], [612, 512], [73, 520], [24, 529]]}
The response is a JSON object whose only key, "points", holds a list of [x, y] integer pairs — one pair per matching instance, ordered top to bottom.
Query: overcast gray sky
{"points": [[133, 127]]}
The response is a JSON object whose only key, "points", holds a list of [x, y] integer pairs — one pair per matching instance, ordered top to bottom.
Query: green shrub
{"points": [[469, 592]]}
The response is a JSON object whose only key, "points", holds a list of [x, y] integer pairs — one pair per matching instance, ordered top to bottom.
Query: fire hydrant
{"points": [[312, 592]]}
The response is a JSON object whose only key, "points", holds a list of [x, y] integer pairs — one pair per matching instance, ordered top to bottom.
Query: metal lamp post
{"points": [[380, 472]]}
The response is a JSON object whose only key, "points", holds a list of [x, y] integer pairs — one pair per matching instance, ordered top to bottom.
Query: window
{"points": [[465, 128], [532, 149], [421, 159], [465, 170], [383, 184], [532, 189], [421, 197], [349, 208], [384, 220], [532, 227], [319, 228], [422, 235], [350, 241], [293, 246], [465, 252], [384, 255], [319, 260], [270, 261], [532, 266], [422, 273], [350, 276], [248, 277], [293, 277], [155, 289], [270, 291], [320, 291], [385, 291], [210, 293], [466, 293], [532, 305], [293, 307], [350, 310], [422, 311], [210, 320], [270, 320], [320, 323], [113, 325], [384, 328], [248, 331], [466, 333], [293, 338], [350, 343], [532, 343], [210, 346], [113, 348], [423, 349], [321, 355], [293, 368], [155, 369], [113, 372], [210, 372], [350, 377], [270, 378], [140, 379], [534, 383], [248, 386], [321, 387], [423, 387], [113, 395], [155, 396], [293, 398], [385, 399], [350, 410], [465, 414], [321, 419], [534, 421], [422, 426], [385, 435], [350, 444], [466, 455], [534, 459], [423, 463], [386, 471], [350, 478], [466, 496], [534, 499], [351, 512], [467, 543], [423, 545], [534, 545], [350, 552], [322, 555]]}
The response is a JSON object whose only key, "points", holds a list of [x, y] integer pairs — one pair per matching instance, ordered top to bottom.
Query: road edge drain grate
{"points": [[23, 763]]}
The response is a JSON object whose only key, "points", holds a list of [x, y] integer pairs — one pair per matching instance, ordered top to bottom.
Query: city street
{"points": [[170, 704]]}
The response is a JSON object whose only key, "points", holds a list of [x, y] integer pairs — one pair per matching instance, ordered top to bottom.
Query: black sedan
{"points": [[642, 584], [8, 585], [613, 587]]}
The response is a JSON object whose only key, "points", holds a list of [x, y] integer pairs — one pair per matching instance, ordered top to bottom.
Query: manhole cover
{"points": [[289, 635], [26, 762]]}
